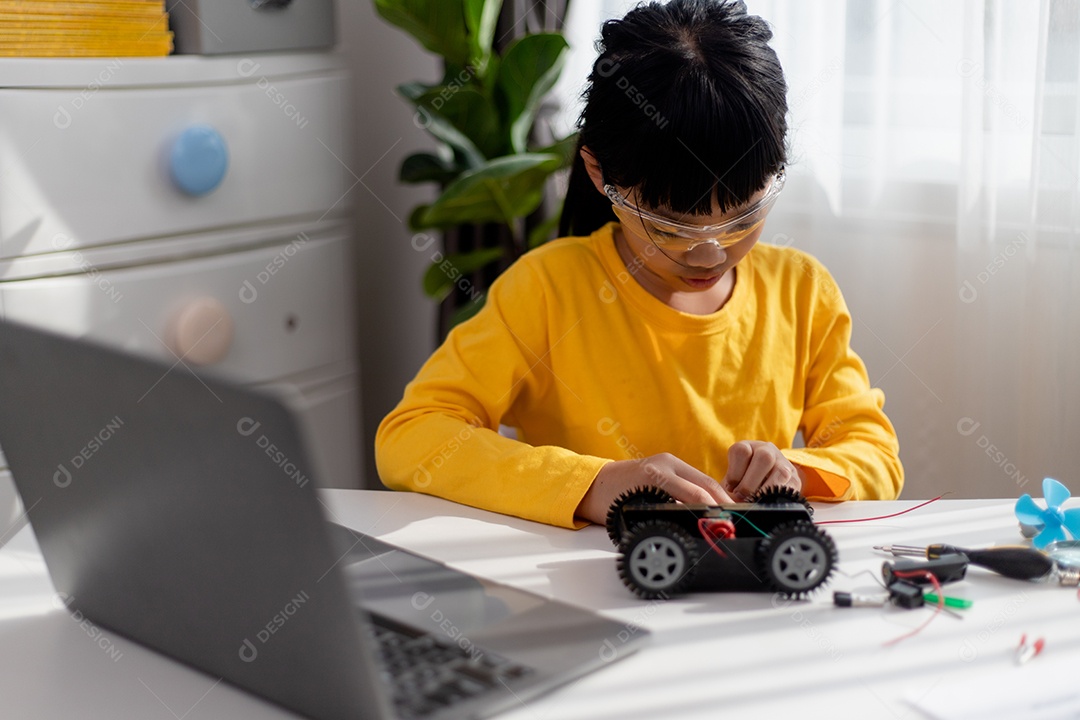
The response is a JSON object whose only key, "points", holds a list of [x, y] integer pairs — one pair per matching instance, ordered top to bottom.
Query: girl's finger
{"points": [[739, 455], [761, 464], [709, 493], [714, 493]]}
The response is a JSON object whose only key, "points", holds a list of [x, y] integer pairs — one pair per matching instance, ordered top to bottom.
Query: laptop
{"points": [[180, 511]]}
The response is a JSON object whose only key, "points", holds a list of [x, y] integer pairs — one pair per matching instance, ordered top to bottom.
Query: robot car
{"points": [[769, 544]]}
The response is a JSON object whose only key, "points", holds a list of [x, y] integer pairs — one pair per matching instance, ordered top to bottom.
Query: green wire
{"points": [[747, 521]]}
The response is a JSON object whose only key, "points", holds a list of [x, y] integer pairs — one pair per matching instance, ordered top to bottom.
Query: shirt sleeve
{"points": [[443, 439], [851, 452]]}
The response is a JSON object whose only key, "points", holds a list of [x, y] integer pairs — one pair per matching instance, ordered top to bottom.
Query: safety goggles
{"points": [[672, 236]]}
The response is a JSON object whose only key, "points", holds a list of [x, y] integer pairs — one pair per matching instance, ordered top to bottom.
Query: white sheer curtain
{"points": [[964, 113], [935, 169]]}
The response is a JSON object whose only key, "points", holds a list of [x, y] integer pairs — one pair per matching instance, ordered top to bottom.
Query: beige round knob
{"points": [[201, 332]]}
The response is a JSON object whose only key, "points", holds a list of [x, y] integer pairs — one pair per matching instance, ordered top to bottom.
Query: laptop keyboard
{"points": [[427, 673]]}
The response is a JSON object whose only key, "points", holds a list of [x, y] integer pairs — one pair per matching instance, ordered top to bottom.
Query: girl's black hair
{"points": [[686, 103]]}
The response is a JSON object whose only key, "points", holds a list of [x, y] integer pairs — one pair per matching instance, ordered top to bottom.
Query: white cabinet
{"points": [[191, 207]]}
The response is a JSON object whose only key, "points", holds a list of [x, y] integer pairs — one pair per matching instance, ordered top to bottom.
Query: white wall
{"points": [[396, 320], [976, 349]]}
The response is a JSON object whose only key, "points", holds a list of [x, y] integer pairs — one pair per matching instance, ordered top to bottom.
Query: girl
{"points": [[658, 342]]}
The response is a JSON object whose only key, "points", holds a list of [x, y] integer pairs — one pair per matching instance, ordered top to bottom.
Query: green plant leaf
{"points": [[481, 17], [438, 25], [529, 69], [470, 112], [440, 126], [564, 148], [426, 167], [499, 191], [415, 216], [545, 230], [442, 274], [465, 312]]}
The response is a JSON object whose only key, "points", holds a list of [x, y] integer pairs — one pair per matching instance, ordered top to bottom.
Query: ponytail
{"points": [[585, 210]]}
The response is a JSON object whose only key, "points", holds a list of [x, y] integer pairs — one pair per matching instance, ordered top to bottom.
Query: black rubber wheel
{"points": [[779, 495], [616, 528], [797, 558], [657, 559]]}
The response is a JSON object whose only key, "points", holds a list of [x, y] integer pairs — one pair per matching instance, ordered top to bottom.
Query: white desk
{"points": [[747, 654]]}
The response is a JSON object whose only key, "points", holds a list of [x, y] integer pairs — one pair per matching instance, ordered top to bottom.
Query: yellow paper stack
{"points": [[84, 28]]}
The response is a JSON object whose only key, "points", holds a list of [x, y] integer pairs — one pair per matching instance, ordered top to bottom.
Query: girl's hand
{"points": [[754, 464], [665, 471]]}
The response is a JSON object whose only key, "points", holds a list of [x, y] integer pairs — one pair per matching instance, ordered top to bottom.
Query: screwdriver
{"points": [[1015, 561]]}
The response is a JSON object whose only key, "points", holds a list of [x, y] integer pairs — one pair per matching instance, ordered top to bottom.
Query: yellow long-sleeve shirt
{"points": [[589, 367]]}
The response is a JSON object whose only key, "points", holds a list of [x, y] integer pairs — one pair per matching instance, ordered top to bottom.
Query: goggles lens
{"points": [[673, 236]]}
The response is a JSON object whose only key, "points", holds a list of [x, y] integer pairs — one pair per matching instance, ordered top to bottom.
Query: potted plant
{"points": [[491, 175]]}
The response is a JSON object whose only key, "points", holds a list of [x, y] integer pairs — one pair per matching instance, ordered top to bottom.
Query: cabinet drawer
{"points": [[211, 26], [84, 167], [289, 305]]}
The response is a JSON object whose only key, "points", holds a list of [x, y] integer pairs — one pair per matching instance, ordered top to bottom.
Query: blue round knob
{"points": [[198, 160]]}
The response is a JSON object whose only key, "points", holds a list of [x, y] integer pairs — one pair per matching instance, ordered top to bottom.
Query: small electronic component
{"points": [[947, 569], [906, 594], [846, 599], [1028, 650]]}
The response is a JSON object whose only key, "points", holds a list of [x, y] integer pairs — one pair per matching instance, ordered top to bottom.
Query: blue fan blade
{"points": [[1054, 492], [1028, 512], [1072, 522], [1051, 533]]}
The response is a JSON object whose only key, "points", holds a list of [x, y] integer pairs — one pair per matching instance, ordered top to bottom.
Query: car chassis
{"points": [[767, 545]]}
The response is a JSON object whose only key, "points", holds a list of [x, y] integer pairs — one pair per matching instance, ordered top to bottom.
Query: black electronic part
{"points": [[947, 569], [905, 594]]}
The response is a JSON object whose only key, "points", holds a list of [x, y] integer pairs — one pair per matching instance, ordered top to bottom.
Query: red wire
{"points": [[881, 517], [706, 532], [937, 608]]}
